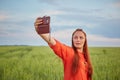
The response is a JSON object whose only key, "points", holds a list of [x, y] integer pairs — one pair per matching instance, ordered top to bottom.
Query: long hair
{"points": [[75, 63]]}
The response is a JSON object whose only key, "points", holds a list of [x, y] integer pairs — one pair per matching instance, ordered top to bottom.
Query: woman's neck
{"points": [[80, 50]]}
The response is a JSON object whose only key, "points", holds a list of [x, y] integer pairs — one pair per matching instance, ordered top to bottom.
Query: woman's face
{"points": [[78, 39]]}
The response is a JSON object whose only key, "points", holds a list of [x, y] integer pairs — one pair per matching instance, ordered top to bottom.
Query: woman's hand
{"points": [[38, 22]]}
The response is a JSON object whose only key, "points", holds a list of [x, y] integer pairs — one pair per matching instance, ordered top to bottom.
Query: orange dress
{"points": [[66, 53]]}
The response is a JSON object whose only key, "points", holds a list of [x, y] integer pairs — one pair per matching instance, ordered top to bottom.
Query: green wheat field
{"points": [[40, 63]]}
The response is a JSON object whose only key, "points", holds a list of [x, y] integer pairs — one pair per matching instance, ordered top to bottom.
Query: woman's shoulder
{"points": [[62, 46], [69, 47]]}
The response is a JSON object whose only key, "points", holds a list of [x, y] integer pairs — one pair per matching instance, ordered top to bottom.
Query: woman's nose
{"points": [[78, 39]]}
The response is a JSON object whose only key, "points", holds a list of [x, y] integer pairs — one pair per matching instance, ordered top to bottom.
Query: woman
{"points": [[76, 59]]}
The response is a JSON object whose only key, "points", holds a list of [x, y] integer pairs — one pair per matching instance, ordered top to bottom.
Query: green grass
{"points": [[106, 62], [40, 63]]}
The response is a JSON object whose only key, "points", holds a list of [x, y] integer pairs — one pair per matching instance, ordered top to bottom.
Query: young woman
{"points": [[76, 59]]}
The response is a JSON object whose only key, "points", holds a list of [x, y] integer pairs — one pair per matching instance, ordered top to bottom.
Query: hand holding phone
{"points": [[42, 25]]}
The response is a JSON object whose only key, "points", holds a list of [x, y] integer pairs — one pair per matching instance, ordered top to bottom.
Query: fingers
{"points": [[38, 21]]}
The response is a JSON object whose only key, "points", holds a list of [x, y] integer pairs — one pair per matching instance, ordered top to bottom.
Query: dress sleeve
{"points": [[60, 49]]}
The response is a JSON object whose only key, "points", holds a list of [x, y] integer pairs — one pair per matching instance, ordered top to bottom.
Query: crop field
{"points": [[40, 63]]}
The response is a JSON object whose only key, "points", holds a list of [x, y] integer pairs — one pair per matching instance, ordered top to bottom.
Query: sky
{"points": [[100, 19]]}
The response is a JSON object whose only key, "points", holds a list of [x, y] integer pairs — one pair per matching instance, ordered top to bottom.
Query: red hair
{"points": [[86, 54]]}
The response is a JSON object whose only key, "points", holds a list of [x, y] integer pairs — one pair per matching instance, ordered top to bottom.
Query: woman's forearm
{"points": [[50, 40]]}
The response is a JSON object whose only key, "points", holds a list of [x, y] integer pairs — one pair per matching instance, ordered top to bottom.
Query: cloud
{"points": [[50, 2], [116, 4], [52, 12], [4, 16], [90, 17], [69, 18], [96, 21], [63, 34], [19, 37], [65, 37], [100, 38]]}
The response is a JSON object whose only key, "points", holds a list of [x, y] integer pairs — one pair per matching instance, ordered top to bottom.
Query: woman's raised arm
{"points": [[46, 36]]}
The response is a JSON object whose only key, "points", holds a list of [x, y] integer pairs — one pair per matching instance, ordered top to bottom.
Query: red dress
{"points": [[66, 53]]}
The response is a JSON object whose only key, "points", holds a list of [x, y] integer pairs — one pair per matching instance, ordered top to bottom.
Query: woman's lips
{"points": [[77, 43]]}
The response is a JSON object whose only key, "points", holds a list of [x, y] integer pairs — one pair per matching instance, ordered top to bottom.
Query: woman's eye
{"points": [[75, 37], [81, 37]]}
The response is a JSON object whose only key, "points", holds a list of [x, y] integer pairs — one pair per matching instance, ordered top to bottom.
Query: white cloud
{"points": [[116, 4], [55, 12], [49, 13], [4, 17], [67, 23], [63, 34], [66, 34], [100, 38], [97, 40]]}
